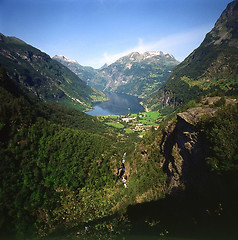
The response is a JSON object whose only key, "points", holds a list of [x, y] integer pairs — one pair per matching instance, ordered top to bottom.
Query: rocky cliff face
{"points": [[184, 147], [184, 154]]}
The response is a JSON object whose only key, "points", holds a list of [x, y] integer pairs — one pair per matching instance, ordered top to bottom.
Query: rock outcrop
{"points": [[184, 147], [184, 153]]}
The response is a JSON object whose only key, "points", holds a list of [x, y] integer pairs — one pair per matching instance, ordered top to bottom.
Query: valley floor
{"points": [[137, 123]]}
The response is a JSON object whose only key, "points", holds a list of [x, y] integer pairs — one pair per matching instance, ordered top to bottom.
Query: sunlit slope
{"points": [[213, 66], [43, 77]]}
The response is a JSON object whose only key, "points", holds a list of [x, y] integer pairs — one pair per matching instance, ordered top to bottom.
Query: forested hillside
{"points": [[212, 67], [44, 78], [47, 153], [192, 164], [59, 172], [67, 175]]}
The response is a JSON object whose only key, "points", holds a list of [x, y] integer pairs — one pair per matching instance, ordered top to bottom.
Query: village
{"points": [[133, 123]]}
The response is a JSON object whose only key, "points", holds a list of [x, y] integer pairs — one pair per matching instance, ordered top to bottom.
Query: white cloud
{"points": [[179, 45]]}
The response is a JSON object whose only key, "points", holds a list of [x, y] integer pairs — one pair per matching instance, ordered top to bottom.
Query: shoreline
{"points": [[145, 107]]}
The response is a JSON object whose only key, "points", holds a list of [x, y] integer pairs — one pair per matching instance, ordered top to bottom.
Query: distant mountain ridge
{"points": [[213, 66], [83, 72], [136, 73], [139, 73], [43, 77]]}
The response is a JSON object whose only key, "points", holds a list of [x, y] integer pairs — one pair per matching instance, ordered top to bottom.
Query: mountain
{"points": [[209, 68], [83, 72], [87, 74], [137, 74], [43, 77], [58, 173]]}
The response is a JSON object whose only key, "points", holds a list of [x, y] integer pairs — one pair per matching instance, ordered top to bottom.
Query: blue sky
{"points": [[97, 31]]}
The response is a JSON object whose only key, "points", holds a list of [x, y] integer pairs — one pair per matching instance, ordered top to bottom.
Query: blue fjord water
{"points": [[118, 104]]}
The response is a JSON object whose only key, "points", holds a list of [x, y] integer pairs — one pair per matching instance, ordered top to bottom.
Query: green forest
{"points": [[45, 78], [45, 151], [59, 172], [170, 173]]}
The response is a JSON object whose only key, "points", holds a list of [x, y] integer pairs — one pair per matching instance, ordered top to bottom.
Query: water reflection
{"points": [[119, 104]]}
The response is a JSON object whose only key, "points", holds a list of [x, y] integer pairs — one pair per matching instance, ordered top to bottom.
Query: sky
{"points": [[95, 32]]}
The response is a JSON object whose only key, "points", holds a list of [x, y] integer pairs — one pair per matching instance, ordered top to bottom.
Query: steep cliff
{"points": [[185, 147], [184, 151]]}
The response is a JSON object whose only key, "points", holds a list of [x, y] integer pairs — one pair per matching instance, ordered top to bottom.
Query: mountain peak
{"points": [[225, 29], [157, 53], [138, 57], [63, 58], [210, 68]]}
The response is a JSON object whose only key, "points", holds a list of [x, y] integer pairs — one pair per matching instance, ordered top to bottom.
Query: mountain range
{"points": [[212, 67], [83, 72], [137, 74], [43, 77], [60, 168]]}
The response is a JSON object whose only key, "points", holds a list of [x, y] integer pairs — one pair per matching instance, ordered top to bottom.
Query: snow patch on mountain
{"points": [[61, 57]]}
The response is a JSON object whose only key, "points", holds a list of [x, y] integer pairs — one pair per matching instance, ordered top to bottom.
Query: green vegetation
{"points": [[210, 68], [43, 77], [190, 104], [147, 116], [134, 124], [115, 125], [222, 135], [49, 154], [59, 167]]}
